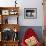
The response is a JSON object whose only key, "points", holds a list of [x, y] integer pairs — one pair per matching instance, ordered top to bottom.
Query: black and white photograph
{"points": [[30, 13]]}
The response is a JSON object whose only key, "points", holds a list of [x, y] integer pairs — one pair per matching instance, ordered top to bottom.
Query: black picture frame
{"points": [[30, 13]]}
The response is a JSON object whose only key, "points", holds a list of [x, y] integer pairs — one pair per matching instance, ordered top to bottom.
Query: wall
{"points": [[6, 3], [27, 4], [31, 4]]}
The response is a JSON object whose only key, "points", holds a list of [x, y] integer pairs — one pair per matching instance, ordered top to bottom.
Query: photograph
{"points": [[30, 13]]}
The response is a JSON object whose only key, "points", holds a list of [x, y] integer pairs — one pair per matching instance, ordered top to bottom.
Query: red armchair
{"points": [[29, 33]]}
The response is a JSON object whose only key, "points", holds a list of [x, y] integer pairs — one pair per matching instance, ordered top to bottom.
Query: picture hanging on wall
{"points": [[30, 13]]}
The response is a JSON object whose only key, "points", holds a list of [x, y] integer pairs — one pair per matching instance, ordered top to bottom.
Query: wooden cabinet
{"points": [[9, 26], [10, 43]]}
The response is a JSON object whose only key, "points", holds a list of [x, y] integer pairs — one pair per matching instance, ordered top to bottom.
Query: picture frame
{"points": [[5, 12], [30, 13]]}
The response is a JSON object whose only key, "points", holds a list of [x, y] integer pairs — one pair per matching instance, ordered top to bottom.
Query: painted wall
{"points": [[27, 4], [31, 4]]}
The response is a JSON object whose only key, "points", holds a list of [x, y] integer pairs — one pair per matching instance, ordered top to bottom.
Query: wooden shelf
{"points": [[9, 8], [4, 13], [11, 26], [9, 43]]}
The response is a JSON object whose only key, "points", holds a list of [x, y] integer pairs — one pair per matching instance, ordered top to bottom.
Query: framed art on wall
{"points": [[5, 12], [30, 13]]}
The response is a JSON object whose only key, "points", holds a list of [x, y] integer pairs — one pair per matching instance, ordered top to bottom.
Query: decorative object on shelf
{"points": [[15, 3], [5, 12], [13, 12], [30, 13], [6, 21], [15, 29], [7, 34], [15, 34], [15, 37]]}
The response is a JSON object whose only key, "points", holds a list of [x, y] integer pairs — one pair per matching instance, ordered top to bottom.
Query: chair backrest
{"points": [[29, 32]]}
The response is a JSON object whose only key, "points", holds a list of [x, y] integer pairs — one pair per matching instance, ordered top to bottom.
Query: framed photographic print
{"points": [[5, 12], [30, 13]]}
